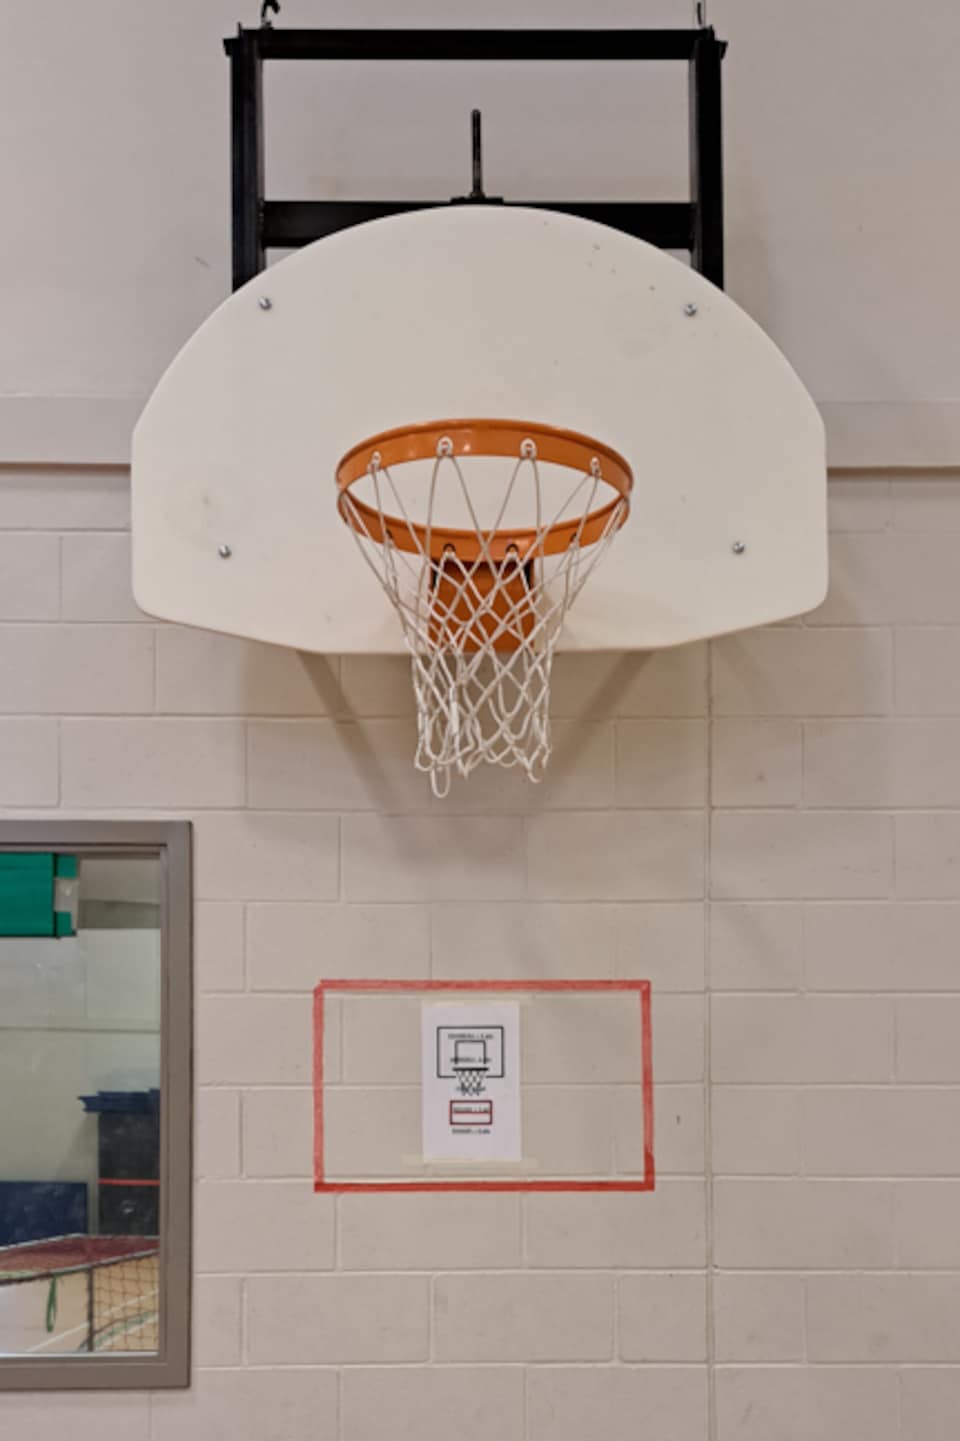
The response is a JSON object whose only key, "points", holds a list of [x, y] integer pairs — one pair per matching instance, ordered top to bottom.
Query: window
{"points": [[95, 1098]]}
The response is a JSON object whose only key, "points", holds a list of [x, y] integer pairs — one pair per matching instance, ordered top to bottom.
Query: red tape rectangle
{"points": [[641, 989]]}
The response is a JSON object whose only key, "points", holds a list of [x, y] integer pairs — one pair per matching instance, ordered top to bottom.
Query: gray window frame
{"points": [[171, 843]]}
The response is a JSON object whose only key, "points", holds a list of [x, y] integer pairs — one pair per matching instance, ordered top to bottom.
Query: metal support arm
{"points": [[259, 224]]}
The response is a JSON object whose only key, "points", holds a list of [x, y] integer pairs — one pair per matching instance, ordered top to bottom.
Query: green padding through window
{"points": [[27, 893]]}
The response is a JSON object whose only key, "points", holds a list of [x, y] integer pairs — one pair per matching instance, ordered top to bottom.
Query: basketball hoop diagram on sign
{"points": [[469, 1056], [470, 1081]]}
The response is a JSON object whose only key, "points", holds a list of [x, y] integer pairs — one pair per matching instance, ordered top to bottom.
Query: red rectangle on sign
{"points": [[640, 990], [471, 1113]]}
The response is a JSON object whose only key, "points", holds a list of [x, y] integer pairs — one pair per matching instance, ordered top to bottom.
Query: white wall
{"points": [[843, 225], [77, 1015]]}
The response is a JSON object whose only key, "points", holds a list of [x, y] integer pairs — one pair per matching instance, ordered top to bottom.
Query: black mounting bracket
{"points": [[260, 224]]}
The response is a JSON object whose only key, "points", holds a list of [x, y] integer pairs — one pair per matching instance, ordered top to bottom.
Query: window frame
{"points": [[171, 843]]}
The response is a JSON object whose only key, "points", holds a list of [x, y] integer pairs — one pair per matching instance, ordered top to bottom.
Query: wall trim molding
{"points": [[67, 429], [96, 430], [873, 434]]}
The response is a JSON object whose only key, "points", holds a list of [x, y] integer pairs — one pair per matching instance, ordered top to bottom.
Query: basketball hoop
{"points": [[482, 604]]}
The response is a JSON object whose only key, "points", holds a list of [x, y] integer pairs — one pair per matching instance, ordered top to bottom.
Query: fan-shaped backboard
{"points": [[478, 311]]}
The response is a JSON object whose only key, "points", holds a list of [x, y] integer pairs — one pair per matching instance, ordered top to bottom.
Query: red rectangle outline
{"points": [[640, 988], [485, 1107]]}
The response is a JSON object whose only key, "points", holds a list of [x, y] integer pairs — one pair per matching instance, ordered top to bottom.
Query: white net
{"points": [[482, 607]]}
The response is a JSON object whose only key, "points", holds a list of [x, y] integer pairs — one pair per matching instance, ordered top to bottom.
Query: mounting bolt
{"points": [[265, 303], [690, 308], [738, 547], [224, 551]]}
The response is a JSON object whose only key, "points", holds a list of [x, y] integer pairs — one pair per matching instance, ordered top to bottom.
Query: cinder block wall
{"points": [[768, 828]]}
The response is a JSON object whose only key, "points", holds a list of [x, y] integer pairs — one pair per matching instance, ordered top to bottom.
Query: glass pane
{"points": [[79, 1123]]}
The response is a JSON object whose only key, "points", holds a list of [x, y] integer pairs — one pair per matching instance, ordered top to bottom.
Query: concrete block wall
{"points": [[768, 828]]}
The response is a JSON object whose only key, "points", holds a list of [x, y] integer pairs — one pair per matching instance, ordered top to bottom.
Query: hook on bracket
{"points": [[476, 155], [477, 196]]}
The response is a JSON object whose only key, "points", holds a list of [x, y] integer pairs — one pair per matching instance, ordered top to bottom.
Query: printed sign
{"points": [[470, 1057]]}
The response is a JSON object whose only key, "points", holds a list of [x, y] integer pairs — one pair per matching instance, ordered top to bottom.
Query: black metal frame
{"points": [[260, 224]]}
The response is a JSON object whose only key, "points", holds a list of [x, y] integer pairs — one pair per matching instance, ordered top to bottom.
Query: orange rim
{"points": [[483, 437]]}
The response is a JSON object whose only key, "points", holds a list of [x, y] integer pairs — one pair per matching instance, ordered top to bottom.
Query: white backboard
{"points": [[478, 311]]}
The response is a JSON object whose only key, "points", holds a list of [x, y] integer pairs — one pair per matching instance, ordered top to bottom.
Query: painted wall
{"points": [[843, 224], [768, 828], [77, 1015]]}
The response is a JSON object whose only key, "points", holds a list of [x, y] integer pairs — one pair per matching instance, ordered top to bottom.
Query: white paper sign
{"points": [[470, 1056]]}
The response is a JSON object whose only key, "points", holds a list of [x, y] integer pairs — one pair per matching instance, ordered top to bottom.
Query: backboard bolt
{"points": [[265, 303], [689, 308], [738, 547], [224, 552]]}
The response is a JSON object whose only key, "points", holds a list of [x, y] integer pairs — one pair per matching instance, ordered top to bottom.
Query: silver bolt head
{"points": [[265, 303], [690, 308], [738, 547], [224, 552]]}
